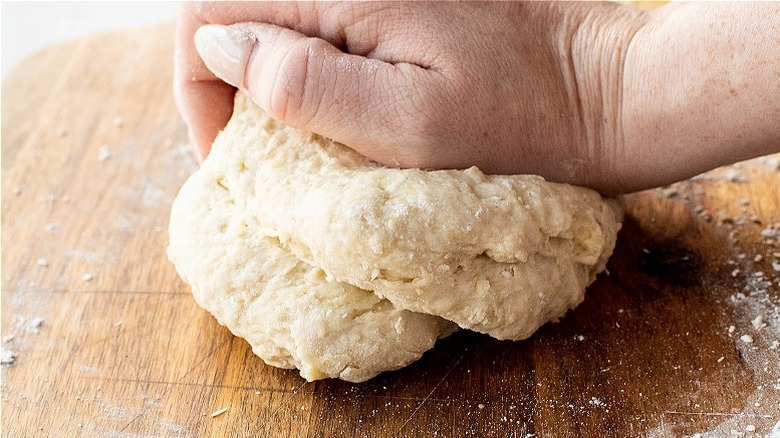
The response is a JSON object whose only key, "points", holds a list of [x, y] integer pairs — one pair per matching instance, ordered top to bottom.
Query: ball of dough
{"points": [[284, 235], [286, 309]]}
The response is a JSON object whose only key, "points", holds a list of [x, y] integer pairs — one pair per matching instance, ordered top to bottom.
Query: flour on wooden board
{"points": [[755, 331], [7, 356]]}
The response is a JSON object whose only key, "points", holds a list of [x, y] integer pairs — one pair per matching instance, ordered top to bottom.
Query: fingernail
{"points": [[225, 51]]}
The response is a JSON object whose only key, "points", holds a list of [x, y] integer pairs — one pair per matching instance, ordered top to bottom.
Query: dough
{"points": [[281, 232], [286, 309]]}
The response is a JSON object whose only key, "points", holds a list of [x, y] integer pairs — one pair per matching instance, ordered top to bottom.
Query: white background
{"points": [[27, 27]]}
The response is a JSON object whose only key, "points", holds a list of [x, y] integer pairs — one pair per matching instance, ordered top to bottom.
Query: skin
{"points": [[599, 95]]}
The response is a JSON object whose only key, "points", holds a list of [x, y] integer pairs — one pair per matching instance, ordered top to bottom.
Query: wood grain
{"points": [[129, 353]]}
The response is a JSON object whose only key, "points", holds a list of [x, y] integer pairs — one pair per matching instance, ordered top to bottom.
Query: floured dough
{"points": [[277, 219], [287, 311]]}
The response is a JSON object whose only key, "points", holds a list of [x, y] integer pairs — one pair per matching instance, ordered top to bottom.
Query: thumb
{"points": [[308, 83]]}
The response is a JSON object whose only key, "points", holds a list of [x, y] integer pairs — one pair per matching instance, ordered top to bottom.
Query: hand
{"points": [[557, 89]]}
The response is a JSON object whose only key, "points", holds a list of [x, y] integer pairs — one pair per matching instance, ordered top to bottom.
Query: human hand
{"points": [[559, 90]]}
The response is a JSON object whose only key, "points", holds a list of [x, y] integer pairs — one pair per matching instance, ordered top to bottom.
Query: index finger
{"points": [[205, 102]]}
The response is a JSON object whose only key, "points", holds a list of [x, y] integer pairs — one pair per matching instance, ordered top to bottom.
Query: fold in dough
{"points": [[284, 235]]}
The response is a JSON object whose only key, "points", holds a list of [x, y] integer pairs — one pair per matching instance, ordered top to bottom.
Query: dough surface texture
{"points": [[333, 264]]}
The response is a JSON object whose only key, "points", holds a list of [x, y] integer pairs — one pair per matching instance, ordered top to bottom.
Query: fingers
{"points": [[308, 83], [204, 101]]}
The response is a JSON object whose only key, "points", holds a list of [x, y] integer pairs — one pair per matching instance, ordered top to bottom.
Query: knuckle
{"points": [[294, 95]]}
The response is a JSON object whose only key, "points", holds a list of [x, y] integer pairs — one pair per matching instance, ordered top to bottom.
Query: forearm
{"points": [[702, 89]]}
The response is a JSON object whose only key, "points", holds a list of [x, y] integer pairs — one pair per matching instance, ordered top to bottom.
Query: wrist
{"points": [[702, 88]]}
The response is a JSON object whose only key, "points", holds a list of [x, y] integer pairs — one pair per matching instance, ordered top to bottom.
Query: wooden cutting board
{"points": [[109, 342]]}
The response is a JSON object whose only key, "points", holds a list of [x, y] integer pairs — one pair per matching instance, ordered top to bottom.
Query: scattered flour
{"points": [[104, 153], [734, 174], [754, 305], [28, 324], [7, 357], [86, 369], [594, 401]]}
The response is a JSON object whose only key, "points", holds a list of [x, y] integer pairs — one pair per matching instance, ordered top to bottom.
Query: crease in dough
{"points": [[428, 240]]}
